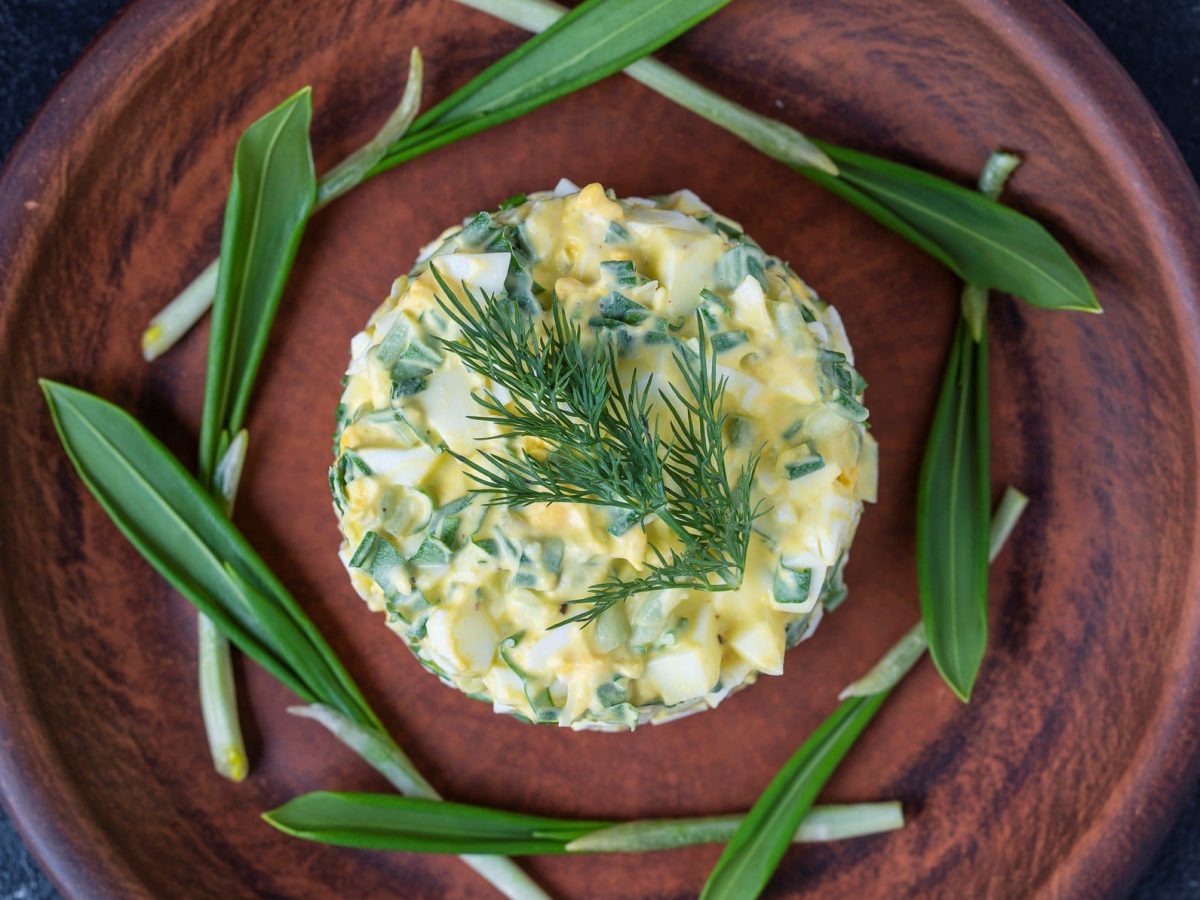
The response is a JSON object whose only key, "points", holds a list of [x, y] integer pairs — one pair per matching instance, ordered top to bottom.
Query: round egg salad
{"points": [[474, 587]]}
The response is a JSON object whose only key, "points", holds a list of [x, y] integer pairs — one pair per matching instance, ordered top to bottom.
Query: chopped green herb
{"points": [[478, 232], [617, 234], [737, 263], [620, 272], [616, 307], [727, 340], [741, 431], [805, 465], [432, 554], [791, 585], [613, 692]]}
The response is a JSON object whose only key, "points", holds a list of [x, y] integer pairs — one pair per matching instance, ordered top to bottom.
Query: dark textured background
{"points": [[1158, 42]]}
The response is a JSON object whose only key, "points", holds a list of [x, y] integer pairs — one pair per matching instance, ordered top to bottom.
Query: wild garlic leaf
{"points": [[597, 36], [594, 40], [271, 194], [986, 243], [953, 492], [952, 516], [183, 533], [391, 822], [758, 844], [754, 851]]}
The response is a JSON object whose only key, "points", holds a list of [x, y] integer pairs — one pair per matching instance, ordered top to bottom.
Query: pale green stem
{"points": [[772, 138], [996, 170], [350, 171], [991, 183], [974, 309], [175, 319], [228, 474], [1012, 504], [896, 662], [218, 693], [218, 702], [377, 749], [382, 754], [823, 823]]}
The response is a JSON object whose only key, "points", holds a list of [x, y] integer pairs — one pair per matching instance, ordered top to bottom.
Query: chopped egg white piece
{"points": [[479, 271]]}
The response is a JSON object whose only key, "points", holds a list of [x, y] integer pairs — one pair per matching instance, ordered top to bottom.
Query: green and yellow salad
{"points": [[479, 588]]}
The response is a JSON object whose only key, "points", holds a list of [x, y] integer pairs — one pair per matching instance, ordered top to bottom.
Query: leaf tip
{"points": [[51, 391]]}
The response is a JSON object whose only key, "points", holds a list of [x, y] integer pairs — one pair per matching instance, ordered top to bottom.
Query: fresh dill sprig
{"points": [[602, 444], [605, 447]]}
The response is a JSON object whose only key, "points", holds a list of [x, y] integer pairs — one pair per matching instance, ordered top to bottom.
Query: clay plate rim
{"points": [[36, 784]]}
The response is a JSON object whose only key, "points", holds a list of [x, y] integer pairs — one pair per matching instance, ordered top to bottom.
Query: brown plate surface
{"points": [[1057, 780]]}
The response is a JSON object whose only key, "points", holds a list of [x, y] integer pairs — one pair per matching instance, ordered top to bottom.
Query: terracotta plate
{"points": [[1058, 779]]}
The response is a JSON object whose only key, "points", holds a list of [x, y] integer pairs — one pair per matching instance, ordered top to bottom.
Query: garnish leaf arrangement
{"points": [[596, 39], [270, 196], [985, 243], [603, 444], [952, 494], [181, 525], [183, 532], [783, 815], [391, 822], [754, 851]]}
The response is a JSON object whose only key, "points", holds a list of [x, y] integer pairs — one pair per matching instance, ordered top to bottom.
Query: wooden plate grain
{"points": [[1058, 779]]}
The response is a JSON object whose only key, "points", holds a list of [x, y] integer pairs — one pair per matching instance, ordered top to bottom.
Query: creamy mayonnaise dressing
{"points": [[474, 589]]}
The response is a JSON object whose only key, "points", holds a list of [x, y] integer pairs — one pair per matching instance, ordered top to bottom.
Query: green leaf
{"points": [[593, 41], [773, 138], [271, 194], [986, 243], [952, 516], [182, 531], [954, 542], [391, 822], [759, 843]]}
